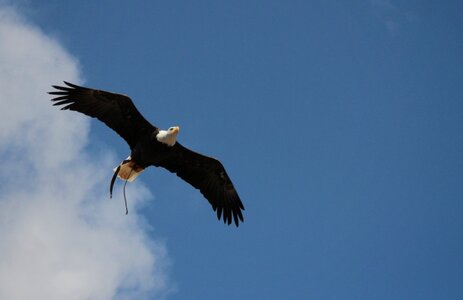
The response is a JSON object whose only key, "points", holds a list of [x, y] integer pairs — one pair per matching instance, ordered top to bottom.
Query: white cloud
{"points": [[60, 235]]}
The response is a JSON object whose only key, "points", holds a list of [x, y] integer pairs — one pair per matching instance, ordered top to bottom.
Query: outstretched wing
{"points": [[115, 110], [209, 176]]}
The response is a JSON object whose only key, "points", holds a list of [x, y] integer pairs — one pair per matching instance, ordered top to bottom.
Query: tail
{"points": [[127, 170]]}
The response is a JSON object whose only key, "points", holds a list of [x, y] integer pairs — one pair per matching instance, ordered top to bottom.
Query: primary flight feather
{"points": [[151, 146]]}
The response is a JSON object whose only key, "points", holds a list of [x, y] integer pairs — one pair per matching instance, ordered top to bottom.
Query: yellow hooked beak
{"points": [[176, 129]]}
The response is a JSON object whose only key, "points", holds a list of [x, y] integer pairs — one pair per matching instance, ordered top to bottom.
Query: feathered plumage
{"points": [[148, 149]]}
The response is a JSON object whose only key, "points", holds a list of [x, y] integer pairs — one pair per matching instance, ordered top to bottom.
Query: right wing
{"points": [[115, 110]]}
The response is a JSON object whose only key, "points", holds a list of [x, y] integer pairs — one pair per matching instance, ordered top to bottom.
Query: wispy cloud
{"points": [[61, 237]]}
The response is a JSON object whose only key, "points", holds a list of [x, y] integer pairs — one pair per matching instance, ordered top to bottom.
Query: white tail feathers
{"points": [[128, 171]]}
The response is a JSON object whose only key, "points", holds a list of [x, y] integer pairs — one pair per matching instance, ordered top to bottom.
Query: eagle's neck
{"points": [[166, 137]]}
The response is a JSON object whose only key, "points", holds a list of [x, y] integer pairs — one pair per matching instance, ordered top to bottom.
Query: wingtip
{"points": [[70, 84], [219, 213], [240, 215]]}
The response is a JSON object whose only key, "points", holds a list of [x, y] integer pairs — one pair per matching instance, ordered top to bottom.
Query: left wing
{"points": [[209, 176]]}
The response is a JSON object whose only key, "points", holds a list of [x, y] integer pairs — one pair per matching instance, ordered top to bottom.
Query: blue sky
{"points": [[339, 122]]}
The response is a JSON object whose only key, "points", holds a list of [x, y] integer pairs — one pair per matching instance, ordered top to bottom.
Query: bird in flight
{"points": [[152, 146]]}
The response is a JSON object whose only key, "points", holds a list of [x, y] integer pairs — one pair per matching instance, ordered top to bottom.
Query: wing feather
{"points": [[115, 110], [209, 176]]}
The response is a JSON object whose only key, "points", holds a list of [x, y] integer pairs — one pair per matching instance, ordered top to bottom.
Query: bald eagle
{"points": [[151, 146]]}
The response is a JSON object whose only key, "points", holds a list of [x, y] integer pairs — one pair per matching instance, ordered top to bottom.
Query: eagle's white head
{"points": [[169, 136]]}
